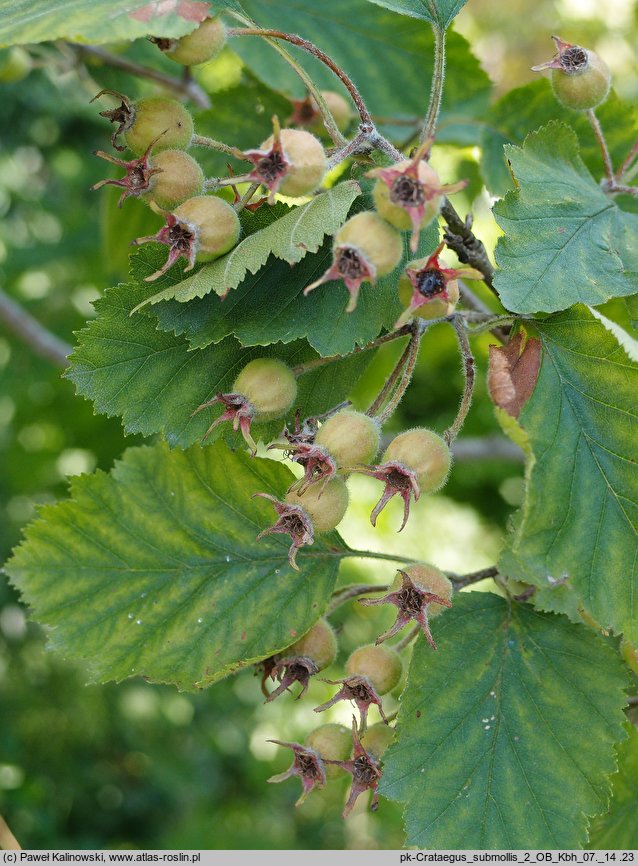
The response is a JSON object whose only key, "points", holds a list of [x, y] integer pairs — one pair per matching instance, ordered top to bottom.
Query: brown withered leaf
{"points": [[512, 374]]}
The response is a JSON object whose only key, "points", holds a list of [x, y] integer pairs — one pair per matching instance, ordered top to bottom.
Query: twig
{"points": [[311, 48], [184, 86], [436, 90], [600, 136], [213, 144], [359, 144], [626, 165], [619, 187], [243, 201], [460, 238], [475, 303], [43, 342], [300, 369], [469, 371], [406, 374], [389, 384], [486, 448], [462, 580], [341, 596], [407, 640], [8, 841]]}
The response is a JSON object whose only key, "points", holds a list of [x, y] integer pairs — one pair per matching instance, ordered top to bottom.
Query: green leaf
{"points": [[440, 13], [23, 21], [388, 56], [514, 115], [299, 231], [564, 236], [154, 382], [579, 523], [153, 569], [514, 707], [618, 828]]}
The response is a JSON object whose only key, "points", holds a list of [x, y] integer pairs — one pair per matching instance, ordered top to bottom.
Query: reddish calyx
{"points": [[570, 58], [122, 115], [271, 166], [138, 174], [408, 190], [181, 239], [350, 265], [430, 282], [316, 461], [399, 480], [292, 521], [412, 603], [295, 669], [358, 689], [307, 765], [365, 771]]}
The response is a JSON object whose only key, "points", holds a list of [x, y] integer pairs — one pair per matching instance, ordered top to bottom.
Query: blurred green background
{"points": [[137, 765]]}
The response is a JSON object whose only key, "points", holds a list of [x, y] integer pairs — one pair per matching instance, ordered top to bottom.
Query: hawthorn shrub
{"points": [[280, 249]]}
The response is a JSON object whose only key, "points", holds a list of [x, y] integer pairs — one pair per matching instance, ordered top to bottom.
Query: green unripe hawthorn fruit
{"points": [[200, 46], [15, 64], [583, 85], [339, 107], [158, 117], [306, 158], [180, 178], [397, 215], [214, 223], [374, 239], [435, 308], [269, 385], [350, 437], [425, 453], [325, 504], [428, 578], [319, 644], [381, 665], [376, 739], [333, 743]]}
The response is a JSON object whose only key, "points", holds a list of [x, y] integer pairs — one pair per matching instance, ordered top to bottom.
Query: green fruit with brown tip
{"points": [[200, 46], [583, 81], [161, 120], [307, 162], [180, 178], [395, 213], [213, 222], [371, 237], [436, 308], [269, 385], [350, 437], [425, 453], [325, 504], [428, 578], [319, 644], [381, 665], [376, 739], [332, 743]]}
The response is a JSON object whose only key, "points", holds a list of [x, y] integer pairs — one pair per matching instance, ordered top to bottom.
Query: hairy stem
{"points": [[311, 48], [183, 86], [436, 91], [600, 137], [205, 141], [359, 144], [626, 165], [245, 199], [43, 342], [300, 369], [469, 371], [406, 375], [389, 384], [462, 580], [407, 640]]}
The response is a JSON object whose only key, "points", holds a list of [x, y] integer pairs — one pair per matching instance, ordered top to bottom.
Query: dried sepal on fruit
{"points": [[580, 78], [153, 118], [291, 162], [168, 178], [409, 193], [200, 229], [365, 248], [430, 290], [264, 389], [415, 461], [319, 467], [326, 503], [292, 520], [419, 592], [312, 653], [360, 691], [332, 742], [307, 765], [365, 771]]}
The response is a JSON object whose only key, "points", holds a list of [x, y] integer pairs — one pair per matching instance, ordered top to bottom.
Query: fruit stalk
{"points": [[436, 90], [600, 137], [469, 370], [406, 374]]}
